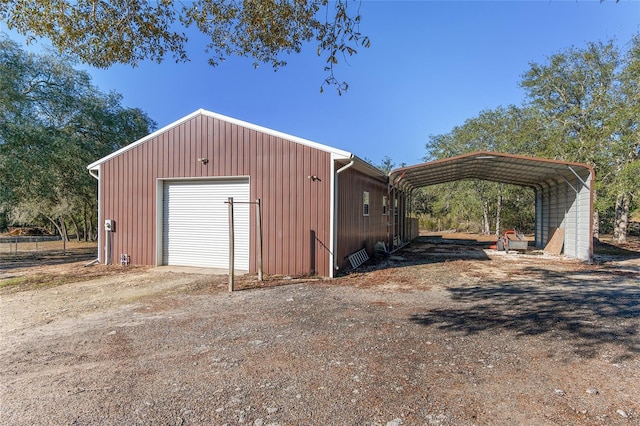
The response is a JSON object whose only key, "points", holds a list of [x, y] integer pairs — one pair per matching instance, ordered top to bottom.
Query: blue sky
{"points": [[431, 66]]}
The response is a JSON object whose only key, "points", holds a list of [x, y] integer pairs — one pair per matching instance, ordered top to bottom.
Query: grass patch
{"points": [[72, 274], [11, 282], [33, 282]]}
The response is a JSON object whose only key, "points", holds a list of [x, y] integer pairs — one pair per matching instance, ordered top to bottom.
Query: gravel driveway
{"points": [[502, 341]]}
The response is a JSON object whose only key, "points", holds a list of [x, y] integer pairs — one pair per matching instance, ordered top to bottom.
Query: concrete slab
{"points": [[195, 270]]}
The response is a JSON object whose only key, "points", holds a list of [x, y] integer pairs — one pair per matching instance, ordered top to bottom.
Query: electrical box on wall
{"points": [[110, 225]]}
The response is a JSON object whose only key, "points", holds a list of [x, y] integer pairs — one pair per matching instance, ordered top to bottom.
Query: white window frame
{"points": [[365, 203]]}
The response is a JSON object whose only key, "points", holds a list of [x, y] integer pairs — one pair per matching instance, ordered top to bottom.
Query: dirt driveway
{"points": [[468, 337]]}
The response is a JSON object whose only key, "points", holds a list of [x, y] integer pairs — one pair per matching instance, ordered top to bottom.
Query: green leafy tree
{"points": [[102, 33], [588, 101], [584, 106], [53, 123], [505, 129], [509, 129], [387, 164], [625, 182]]}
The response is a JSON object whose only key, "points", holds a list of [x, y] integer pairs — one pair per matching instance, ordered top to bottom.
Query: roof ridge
{"points": [[227, 119]]}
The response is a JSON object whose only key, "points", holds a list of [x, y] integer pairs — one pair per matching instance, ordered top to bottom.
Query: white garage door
{"points": [[195, 228]]}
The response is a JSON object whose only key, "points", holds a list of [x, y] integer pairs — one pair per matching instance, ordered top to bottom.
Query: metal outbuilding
{"points": [[563, 191], [164, 199]]}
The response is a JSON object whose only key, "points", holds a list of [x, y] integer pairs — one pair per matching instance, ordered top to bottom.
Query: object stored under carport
{"points": [[511, 240], [556, 242], [358, 258]]}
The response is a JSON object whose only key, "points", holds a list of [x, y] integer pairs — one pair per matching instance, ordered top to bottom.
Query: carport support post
{"points": [[231, 266]]}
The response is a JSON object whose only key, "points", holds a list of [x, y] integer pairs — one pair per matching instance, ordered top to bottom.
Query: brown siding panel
{"points": [[278, 169], [306, 212], [356, 231]]}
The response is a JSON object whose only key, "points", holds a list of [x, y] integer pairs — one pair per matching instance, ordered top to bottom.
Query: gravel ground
{"points": [[483, 339]]}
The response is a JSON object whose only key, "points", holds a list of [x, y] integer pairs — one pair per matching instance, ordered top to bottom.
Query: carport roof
{"points": [[492, 166]]}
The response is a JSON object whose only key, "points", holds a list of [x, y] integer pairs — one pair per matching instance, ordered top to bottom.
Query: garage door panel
{"points": [[196, 223]]}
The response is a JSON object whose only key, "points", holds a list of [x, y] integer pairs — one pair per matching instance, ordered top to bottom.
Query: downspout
{"points": [[394, 188], [411, 214], [335, 216], [537, 222], [394, 225], [99, 229]]}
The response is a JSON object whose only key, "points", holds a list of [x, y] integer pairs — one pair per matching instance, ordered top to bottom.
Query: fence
{"points": [[14, 245]]}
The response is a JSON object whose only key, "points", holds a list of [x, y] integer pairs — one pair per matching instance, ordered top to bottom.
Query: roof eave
{"points": [[144, 139]]}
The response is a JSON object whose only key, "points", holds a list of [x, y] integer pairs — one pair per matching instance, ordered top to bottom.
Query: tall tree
{"points": [[102, 33], [587, 99], [583, 105], [53, 122], [505, 129], [511, 130], [626, 179]]}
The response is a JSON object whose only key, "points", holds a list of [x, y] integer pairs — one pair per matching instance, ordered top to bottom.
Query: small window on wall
{"points": [[365, 203], [384, 205], [395, 205]]}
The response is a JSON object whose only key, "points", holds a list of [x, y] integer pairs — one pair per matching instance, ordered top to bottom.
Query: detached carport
{"points": [[563, 195]]}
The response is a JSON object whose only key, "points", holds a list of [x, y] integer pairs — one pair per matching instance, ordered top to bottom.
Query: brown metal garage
{"points": [[163, 195]]}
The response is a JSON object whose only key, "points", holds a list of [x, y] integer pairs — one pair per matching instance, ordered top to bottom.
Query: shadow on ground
{"points": [[436, 249], [605, 252], [589, 308]]}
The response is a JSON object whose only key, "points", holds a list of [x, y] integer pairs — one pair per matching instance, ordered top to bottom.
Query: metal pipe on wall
{"points": [[259, 236]]}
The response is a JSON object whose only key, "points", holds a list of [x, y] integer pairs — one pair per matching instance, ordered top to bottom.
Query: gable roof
{"points": [[337, 153], [492, 166]]}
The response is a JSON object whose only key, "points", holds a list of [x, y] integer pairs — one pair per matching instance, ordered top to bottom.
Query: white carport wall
{"points": [[564, 197], [566, 204]]}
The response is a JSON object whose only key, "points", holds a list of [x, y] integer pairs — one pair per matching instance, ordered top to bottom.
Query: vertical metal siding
{"points": [[293, 205], [558, 205], [585, 217], [570, 222], [355, 230]]}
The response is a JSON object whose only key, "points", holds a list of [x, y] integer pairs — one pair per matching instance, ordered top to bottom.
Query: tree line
{"points": [[581, 105], [53, 122]]}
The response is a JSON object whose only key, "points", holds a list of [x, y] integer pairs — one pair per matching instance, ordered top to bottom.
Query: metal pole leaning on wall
{"points": [[259, 237], [107, 248], [231, 248]]}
